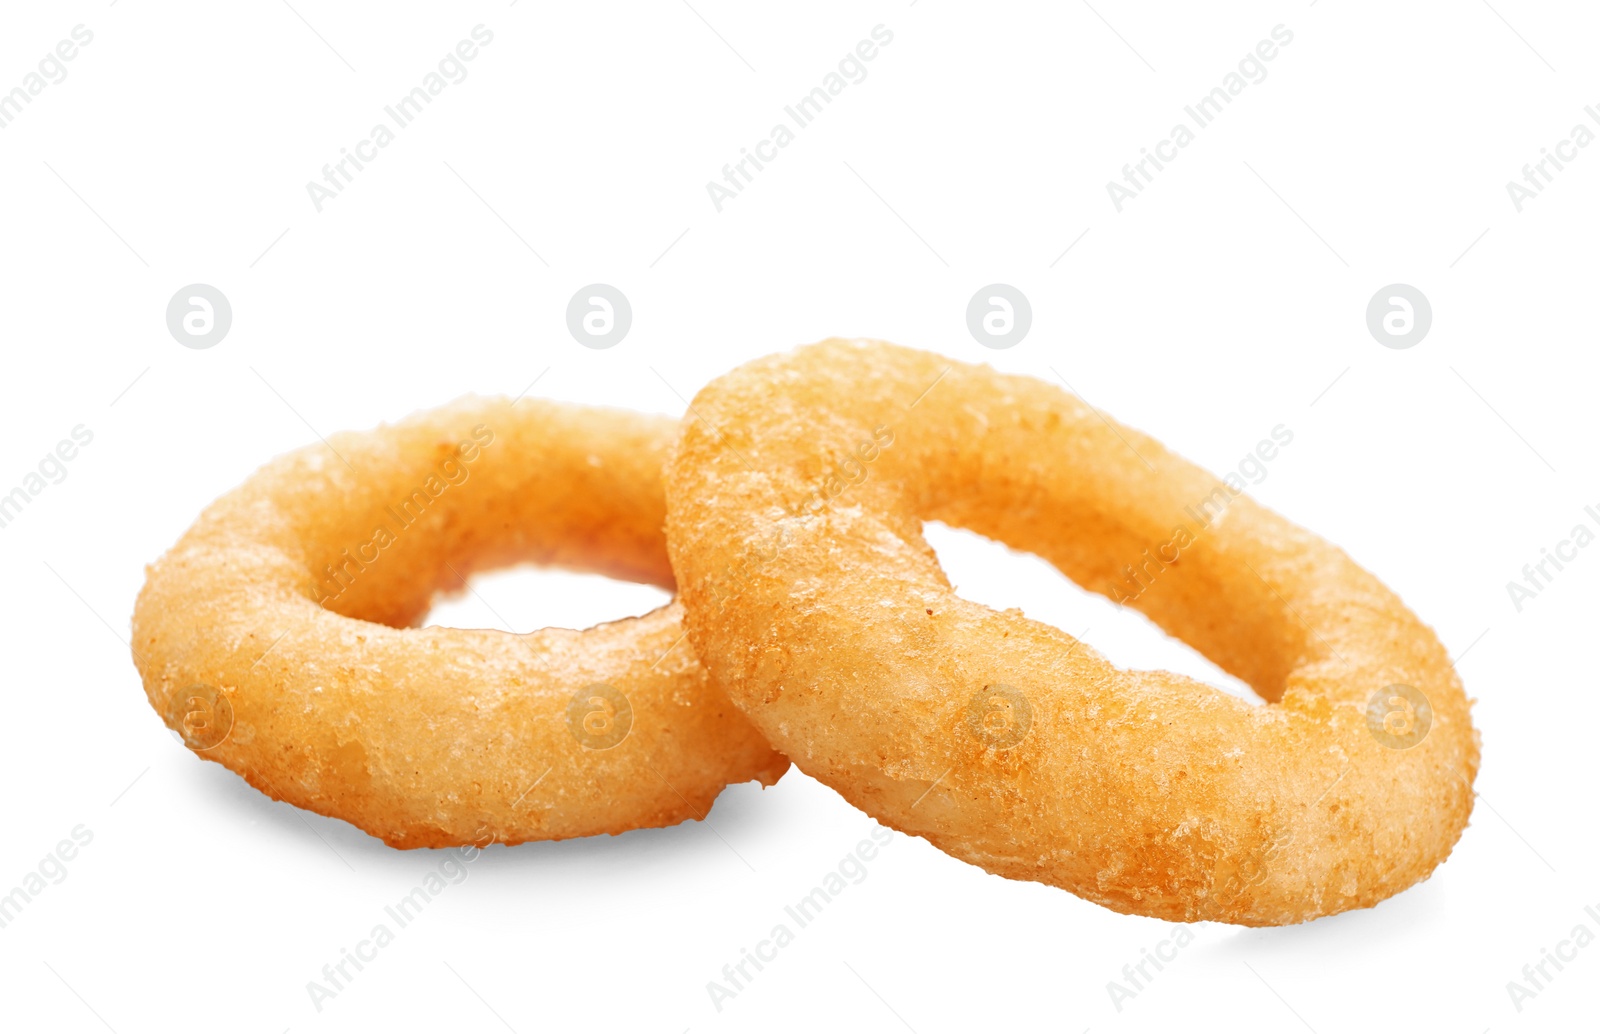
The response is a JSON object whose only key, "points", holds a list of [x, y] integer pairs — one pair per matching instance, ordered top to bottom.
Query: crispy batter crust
{"points": [[812, 597], [287, 605]]}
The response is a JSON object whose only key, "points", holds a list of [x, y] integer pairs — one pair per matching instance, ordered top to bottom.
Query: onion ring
{"points": [[432, 737], [1008, 743]]}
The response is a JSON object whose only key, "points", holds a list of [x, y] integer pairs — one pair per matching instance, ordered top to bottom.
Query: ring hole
{"points": [[987, 572], [527, 598]]}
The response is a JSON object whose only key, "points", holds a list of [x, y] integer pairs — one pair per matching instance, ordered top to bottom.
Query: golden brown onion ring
{"points": [[796, 498], [273, 636]]}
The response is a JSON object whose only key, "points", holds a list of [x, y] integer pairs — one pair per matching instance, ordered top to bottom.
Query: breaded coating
{"points": [[795, 499], [274, 636]]}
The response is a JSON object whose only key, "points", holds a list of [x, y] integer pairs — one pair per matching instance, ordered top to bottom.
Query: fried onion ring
{"points": [[796, 497], [431, 737]]}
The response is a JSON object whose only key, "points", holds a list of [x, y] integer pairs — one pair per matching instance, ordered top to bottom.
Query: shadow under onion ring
{"points": [[796, 498], [274, 636]]}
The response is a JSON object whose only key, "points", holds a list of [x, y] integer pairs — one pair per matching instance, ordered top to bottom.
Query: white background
{"points": [[1224, 300]]}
